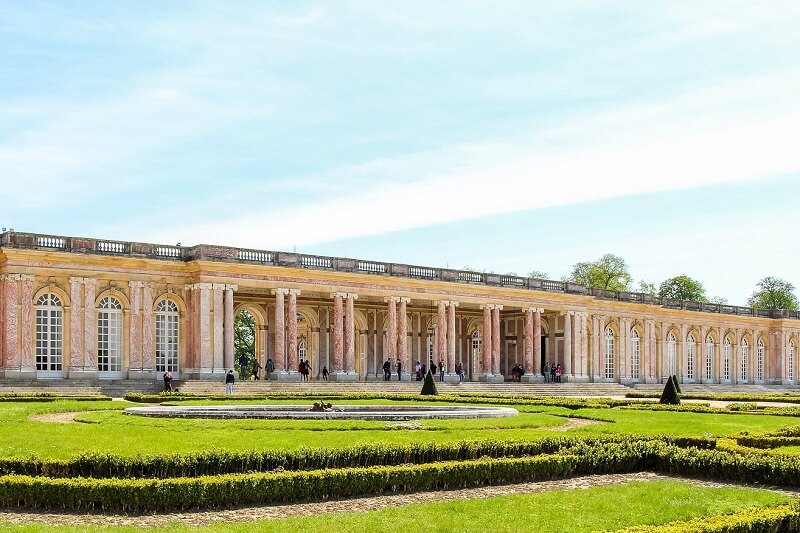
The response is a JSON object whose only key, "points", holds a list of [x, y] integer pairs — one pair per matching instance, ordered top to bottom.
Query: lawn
{"points": [[106, 429], [576, 510]]}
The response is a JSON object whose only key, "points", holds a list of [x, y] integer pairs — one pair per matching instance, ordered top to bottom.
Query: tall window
{"points": [[49, 333], [109, 335], [166, 336], [431, 336], [476, 345], [671, 348], [301, 349], [609, 353], [635, 354], [691, 357], [709, 358], [726, 360], [760, 360], [743, 362], [790, 362]]}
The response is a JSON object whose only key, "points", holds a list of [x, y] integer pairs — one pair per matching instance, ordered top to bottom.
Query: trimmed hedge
{"points": [[50, 397], [727, 397], [97, 465], [758, 520]]}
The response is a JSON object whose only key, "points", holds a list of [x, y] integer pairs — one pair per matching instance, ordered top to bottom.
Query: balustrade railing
{"points": [[51, 242], [112, 247], [168, 251], [255, 256], [316, 261], [371, 267], [422, 272], [470, 277], [513, 281]]}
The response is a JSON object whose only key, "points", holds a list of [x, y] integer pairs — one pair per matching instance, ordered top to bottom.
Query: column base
{"points": [[20, 373], [81, 373], [210, 374], [286, 376], [343, 377], [451, 378], [492, 378], [532, 378], [578, 379]]}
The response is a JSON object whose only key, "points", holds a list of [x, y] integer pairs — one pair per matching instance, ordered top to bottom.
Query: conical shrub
{"points": [[674, 379], [429, 386], [670, 395]]}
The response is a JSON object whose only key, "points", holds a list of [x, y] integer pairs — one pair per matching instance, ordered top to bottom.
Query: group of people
{"points": [[553, 370], [517, 372]]}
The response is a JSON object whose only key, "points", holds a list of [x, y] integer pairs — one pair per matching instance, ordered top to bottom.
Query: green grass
{"points": [[106, 429], [793, 450], [576, 510]]}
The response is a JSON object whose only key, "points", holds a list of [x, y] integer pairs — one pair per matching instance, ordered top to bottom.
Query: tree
{"points": [[609, 272], [537, 274], [647, 288], [682, 288], [774, 293], [718, 300], [244, 337], [429, 386], [670, 394]]}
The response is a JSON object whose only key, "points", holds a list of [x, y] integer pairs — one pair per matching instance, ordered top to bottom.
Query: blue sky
{"points": [[506, 136]]}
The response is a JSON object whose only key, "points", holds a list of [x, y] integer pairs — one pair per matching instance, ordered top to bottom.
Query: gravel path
{"points": [[61, 418], [252, 514]]}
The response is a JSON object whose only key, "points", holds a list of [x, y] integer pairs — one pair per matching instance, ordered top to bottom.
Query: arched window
{"points": [[49, 334], [109, 335], [166, 336], [476, 346], [301, 349], [671, 350], [609, 354], [635, 354], [745, 356], [691, 357], [709, 358], [726, 360], [760, 360], [790, 362]]}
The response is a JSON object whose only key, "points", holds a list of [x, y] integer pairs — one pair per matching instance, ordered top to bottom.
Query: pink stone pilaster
{"points": [[12, 283], [26, 323], [76, 323], [89, 324], [204, 326], [219, 326], [391, 326], [148, 328], [280, 330], [291, 330], [350, 330], [338, 331], [441, 332], [402, 334], [134, 336], [451, 337], [496, 339], [537, 339], [486, 344], [528, 346], [227, 350], [566, 366]]}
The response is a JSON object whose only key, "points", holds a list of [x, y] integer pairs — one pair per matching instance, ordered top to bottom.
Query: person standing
{"points": [[243, 364], [269, 368], [399, 368], [256, 369], [441, 370], [387, 371], [460, 371], [324, 373], [230, 379], [167, 382]]}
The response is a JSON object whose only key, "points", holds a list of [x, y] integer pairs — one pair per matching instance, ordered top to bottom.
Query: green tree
{"points": [[609, 272], [537, 274], [647, 288], [683, 288], [774, 293], [718, 300], [244, 338]]}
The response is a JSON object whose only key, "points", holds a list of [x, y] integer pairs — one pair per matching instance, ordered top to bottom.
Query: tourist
{"points": [[243, 364], [399, 368], [256, 369], [269, 369], [302, 369], [441, 370], [306, 371], [387, 371], [418, 371], [423, 371], [460, 371], [545, 371], [324, 373], [515, 373], [520, 373], [552, 373], [558, 374], [230, 379], [167, 382]]}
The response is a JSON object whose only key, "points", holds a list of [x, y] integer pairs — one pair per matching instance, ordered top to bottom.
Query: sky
{"points": [[503, 136]]}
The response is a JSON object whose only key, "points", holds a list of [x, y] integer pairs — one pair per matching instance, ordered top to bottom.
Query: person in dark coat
{"points": [[230, 379]]}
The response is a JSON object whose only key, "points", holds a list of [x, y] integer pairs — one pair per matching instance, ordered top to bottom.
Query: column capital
{"points": [[26, 277], [72, 280], [90, 281], [136, 284], [201, 286], [218, 286], [231, 287], [280, 291], [296, 292], [339, 295], [352, 296], [395, 299], [405, 300], [451, 303], [487, 306], [499, 307], [567, 312]]}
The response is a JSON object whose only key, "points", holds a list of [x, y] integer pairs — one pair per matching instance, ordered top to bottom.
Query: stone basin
{"points": [[340, 412]]}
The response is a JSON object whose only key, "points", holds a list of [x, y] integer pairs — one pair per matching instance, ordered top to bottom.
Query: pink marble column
{"points": [[11, 282], [203, 291], [189, 323], [76, 324], [89, 324], [219, 326], [391, 326], [227, 327], [148, 328], [338, 330], [27, 331], [291, 331], [441, 332], [402, 334], [134, 335], [451, 337], [496, 339], [537, 340], [350, 341], [486, 344], [527, 351], [279, 354], [566, 367]]}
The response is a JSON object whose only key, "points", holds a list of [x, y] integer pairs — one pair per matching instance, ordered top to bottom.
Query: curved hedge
{"points": [[763, 520]]}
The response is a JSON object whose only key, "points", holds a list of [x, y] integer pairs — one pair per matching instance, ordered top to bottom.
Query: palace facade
{"points": [[81, 308]]}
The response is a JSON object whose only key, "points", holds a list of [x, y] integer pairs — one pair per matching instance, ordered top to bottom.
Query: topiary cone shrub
{"points": [[674, 379], [429, 387], [670, 394]]}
